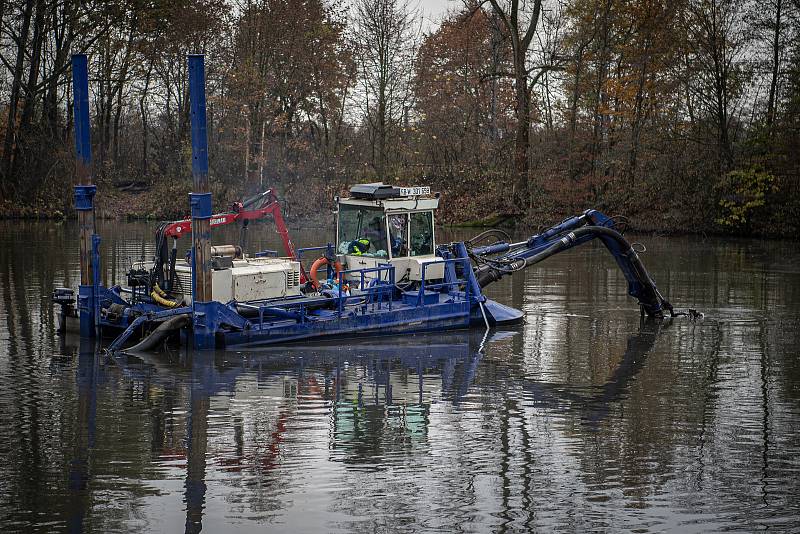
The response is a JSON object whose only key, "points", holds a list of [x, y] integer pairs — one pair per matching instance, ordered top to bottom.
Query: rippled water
{"points": [[579, 419]]}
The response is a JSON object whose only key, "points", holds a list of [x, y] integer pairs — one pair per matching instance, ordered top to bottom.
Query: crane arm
{"points": [[255, 208], [570, 233]]}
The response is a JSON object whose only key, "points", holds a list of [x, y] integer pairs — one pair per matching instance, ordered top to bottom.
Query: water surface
{"points": [[581, 418]]}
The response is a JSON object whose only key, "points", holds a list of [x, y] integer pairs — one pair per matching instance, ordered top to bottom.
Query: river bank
{"points": [[313, 209]]}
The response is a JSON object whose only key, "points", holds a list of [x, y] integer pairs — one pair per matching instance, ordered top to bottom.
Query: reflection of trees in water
{"points": [[681, 407], [541, 424], [749, 434]]}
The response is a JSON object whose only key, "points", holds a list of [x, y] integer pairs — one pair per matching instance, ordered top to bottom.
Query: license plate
{"points": [[414, 191]]}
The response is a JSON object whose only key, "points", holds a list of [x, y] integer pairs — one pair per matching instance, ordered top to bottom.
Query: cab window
{"points": [[362, 231], [422, 233], [398, 234]]}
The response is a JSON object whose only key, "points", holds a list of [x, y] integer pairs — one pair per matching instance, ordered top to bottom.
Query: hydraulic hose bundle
{"points": [[568, 234], [160, 296]]}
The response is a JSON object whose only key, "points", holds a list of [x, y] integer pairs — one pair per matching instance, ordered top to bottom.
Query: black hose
{"points": [[490, 232], [243, 235], [173, 255], [160, 258], [487, 274], [651, 299], [318, 304], [157, 336]]}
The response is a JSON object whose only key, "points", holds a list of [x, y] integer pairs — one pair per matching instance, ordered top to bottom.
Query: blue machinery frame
{"points": [[84, 200], [206, 314]]}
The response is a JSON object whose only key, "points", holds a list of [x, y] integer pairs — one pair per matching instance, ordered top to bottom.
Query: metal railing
{"points": [[327, 248], [449, 285], [375, 293]]}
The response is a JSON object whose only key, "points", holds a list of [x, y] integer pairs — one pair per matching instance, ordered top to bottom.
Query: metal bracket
{"points": [[84, 197]]}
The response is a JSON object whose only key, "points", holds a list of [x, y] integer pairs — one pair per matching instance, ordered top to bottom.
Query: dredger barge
{"points": [[386, 274]]}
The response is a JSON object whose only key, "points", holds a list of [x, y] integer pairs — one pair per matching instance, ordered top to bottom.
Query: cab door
{"points": [[412, 244]]}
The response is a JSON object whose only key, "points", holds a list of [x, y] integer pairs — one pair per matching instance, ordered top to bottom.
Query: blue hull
{"points": [[401, 319]]}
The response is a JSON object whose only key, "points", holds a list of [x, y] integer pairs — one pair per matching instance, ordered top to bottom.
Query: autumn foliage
{"points": [[681, 114]]}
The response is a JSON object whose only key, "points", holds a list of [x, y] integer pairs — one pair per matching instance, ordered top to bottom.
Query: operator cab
{"points": [[380, 224]]}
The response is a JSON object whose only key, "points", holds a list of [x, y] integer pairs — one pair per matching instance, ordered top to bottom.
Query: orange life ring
{"points": [[312, 274]]}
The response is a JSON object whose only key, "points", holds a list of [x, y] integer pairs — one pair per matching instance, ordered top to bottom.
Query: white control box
{"points": [[247, 280]]}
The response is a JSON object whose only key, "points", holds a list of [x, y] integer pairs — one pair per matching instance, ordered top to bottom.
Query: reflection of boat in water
{"points": [[422, 354], [378, 397]]}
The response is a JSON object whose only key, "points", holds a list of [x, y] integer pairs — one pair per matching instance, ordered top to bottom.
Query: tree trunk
{"points": [[62, 41], [520, 43], [776, 44], [122, 79], [29, 102], [600, 104], [721, 105], [573, 114], [636, 127], [145, 129], [522, 138], [115, 150], [380, 166], [9, 181]]}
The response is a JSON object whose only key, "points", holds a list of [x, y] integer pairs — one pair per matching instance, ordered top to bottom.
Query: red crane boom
{"points": [[255, 208]]}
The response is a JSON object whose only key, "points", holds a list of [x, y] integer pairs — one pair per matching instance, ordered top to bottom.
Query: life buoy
{"points": [[312, 274]]}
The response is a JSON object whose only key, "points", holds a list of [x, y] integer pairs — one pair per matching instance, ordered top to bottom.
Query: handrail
{"points": [[308, 249], [329, 253], [454, 283], [380, 290], [376, 294], [270, 309]]}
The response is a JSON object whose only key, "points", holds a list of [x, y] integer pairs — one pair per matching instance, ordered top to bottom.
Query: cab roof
{"points": [[374, 191], [381, 191], [391, 198]]}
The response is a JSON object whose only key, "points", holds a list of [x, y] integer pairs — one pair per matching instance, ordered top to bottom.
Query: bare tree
{"points": [[521, 20], [775, 23], [386, 35], [21, 40], [718, 40]]}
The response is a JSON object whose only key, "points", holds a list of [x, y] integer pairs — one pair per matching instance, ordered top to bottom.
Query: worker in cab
{"points": [[358, 247]]}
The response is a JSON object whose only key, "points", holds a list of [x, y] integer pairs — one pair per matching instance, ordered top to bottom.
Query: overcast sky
{"points": [[434, 9]]}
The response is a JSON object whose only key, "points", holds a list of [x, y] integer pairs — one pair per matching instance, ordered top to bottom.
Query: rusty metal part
{"points": [[234, 251]]}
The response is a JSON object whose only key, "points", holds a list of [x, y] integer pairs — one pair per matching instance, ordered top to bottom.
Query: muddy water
{"points": [[579, 419]]}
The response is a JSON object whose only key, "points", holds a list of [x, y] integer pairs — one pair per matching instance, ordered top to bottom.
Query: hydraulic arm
{"points": [[255, 208], [501, 258]]}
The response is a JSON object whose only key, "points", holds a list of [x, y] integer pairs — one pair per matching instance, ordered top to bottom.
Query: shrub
{"points": [[741, 193]]}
